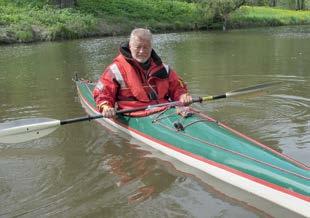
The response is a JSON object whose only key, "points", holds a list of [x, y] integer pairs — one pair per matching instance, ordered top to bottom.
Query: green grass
{"points": [[160, 10], [157, 15], [264, 16], [30, 20], [27, 21], [27, 24]]}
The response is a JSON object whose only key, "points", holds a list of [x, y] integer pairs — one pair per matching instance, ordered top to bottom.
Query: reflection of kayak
{"points": [[219, 151]]}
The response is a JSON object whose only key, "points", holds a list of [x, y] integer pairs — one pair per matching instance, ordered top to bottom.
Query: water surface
{"points": [[86, 170]]}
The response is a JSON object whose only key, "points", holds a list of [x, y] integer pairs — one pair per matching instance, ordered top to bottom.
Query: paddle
{"points": [[28, 129]]}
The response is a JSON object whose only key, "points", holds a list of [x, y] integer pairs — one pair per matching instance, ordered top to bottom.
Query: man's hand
{"points": [[186, 99], [107, 111]]}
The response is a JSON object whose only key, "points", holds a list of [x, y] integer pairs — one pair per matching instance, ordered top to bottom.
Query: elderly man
{"points": [[137, 77]]}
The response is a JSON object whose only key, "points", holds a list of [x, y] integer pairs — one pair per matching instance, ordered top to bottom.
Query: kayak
{"points": [[221, 153]]}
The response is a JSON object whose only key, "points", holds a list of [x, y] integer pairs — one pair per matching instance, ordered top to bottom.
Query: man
{"points": [[137, 77]]}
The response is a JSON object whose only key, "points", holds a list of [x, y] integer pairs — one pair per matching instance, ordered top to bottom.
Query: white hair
{"points": [[142, 34]]}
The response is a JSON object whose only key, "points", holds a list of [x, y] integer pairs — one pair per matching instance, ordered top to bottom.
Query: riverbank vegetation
{"points": [[262, 16], [43, 20], [27, 24]]}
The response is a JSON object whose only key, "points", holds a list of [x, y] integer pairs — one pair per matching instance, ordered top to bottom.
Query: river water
{"points": [[85, 170]]}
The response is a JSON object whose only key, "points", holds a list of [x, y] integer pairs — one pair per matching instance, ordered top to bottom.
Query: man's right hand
{"points": [[108, 111]]}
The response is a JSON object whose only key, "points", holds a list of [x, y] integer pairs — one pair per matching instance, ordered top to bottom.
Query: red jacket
{"points": [[128, 84]]}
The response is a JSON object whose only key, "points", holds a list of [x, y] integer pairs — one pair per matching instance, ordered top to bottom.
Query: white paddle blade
{"points": [[26, 129]]}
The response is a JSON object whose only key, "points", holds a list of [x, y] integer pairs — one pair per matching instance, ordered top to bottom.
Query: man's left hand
{"points": [[186, 99]]}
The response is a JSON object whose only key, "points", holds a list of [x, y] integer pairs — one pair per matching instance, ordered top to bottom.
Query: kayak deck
{"points": [[202, 138], [207, 139]]}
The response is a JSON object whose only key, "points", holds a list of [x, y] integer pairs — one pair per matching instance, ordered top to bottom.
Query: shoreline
{"points": [[51, 24]]}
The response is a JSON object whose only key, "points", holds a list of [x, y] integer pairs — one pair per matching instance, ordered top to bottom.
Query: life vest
{"points": [[133, 92]]}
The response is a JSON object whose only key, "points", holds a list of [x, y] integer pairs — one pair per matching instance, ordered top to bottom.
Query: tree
{"points": [[273, 3], [300, 4], [223, 8]]}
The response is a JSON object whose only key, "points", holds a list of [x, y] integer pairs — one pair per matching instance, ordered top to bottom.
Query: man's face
{"points": [[140, 49]]}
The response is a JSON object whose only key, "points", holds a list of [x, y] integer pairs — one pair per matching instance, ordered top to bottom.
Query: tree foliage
{"points": [[218, 11]]}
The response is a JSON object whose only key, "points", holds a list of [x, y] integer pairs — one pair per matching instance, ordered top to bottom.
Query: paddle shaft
{"points": [[238, 92], [171, 104], [89, 118], [33, 128]]}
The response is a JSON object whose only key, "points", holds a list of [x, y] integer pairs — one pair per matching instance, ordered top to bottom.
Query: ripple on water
{"points": [[293, 107], [286, 123], [26, 178], [49, 180]]}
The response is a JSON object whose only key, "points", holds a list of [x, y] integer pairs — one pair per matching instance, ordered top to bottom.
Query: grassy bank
{"points": [[263, 16], [39, 22], [28, 24]]}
